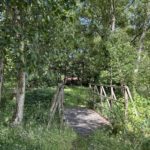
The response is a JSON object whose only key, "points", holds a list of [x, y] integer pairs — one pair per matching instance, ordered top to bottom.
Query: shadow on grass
{"points": [[37, 105]]}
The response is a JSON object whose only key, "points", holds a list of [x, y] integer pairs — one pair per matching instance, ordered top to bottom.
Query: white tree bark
{"points": [[113, 18], [113, 27], [140, 49], [1, 76], [20, 97]]}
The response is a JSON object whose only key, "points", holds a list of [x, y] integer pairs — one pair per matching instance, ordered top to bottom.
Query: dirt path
{"points": [[84, 121]]}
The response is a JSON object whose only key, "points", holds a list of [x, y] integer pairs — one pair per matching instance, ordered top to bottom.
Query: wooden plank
{"points": [[104, 85]]}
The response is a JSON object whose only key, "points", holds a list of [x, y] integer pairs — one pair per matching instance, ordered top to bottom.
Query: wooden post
{"points": [[90, 86], [94, 88], [90, 91], [101, 93], [113, 93], [129, 94], [106, 96], [113, 96], [101, 98], [57, 102], [126, 103], [62, 106], [53, 109], [52, 113]]}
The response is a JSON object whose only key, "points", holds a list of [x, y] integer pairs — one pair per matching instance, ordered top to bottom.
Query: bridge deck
{"points": [[84, 121]]}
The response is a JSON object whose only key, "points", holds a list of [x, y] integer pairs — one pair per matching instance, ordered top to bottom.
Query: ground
{"points": [[84, 121]]}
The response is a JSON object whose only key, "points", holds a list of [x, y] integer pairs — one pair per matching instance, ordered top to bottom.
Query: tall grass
{"points": [[34, 134], [35, 138]]}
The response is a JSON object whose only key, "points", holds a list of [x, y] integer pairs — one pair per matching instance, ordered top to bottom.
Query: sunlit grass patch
{"points": [[76, 96]]}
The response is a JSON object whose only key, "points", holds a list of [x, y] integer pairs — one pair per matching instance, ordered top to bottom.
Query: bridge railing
{"points": [[109, 96], [57, 104]]}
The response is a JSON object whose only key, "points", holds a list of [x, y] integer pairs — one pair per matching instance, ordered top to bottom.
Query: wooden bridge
{"points": [[106, 94], [84, 120]]}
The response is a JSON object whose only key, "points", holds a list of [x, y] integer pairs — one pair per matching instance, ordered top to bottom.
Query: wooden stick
{"points": [[107, 85], [96, 89], [104, 91], [101, 93], [113, 93], [129, 94], [106, 96], [101, 99], [56, 103], [126, 103], [62, 107], [52, 114]]}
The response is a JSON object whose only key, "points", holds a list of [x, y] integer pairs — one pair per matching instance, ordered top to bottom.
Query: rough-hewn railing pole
{"points": [[129, 94], [102, 95], [126, 98], [57, 103], [61, 115]]}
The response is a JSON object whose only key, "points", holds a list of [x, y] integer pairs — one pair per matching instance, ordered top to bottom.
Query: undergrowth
{"points": [[34, 134], [35, 138]]}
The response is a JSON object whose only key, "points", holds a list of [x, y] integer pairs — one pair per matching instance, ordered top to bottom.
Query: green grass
{"points": [[76, 96], [34, 134], [35, 138], [104, 140]]}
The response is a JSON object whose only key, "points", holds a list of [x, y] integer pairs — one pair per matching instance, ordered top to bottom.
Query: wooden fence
{"points": [[110, 97], [57, 105]]}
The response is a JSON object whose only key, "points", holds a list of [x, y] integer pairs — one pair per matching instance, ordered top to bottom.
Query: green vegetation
{"points": [[77, 42], [76, 96], [34, 133], [35, 137], [104, 140]]}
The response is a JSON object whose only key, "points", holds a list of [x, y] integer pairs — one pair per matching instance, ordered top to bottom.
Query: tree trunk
{"points": [[113, 18], [113, 27], [140, 49], [1, 77], [20, 97]]}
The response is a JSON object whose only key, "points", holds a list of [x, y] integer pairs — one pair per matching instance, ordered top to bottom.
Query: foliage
{"points": [[50, 40], [122, 57], [34, 133]]}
